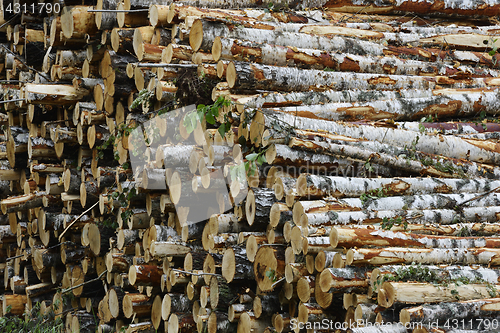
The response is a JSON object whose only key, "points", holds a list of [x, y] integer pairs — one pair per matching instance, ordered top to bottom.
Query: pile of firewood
{"points": [[370, 193]]}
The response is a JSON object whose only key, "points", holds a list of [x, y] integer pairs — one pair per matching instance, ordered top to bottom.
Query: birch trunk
{"points": [[436, 7], [268, 54], [253, 76], [441, 106], [426, 143], [390, 155], [315, 185], [411, 216], [361, 237], [396, 255], [337, 280], [408, 292], [427, 313]]}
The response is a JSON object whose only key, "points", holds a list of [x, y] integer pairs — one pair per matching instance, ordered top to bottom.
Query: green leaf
{"points": [[210, 118], [252, 157], [261, 160]]}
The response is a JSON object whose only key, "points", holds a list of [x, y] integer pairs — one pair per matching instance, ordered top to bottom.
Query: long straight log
{"points": [[437, 7], [268, 54], [242, 75], [442, 106], [426, 143], [314, 185], [408, 218], [395, 255], [408, 292], [427, 313]]}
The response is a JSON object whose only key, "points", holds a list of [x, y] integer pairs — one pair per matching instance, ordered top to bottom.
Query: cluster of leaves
{"points": [[143, 97], [210, 113], [380, 192], [387, 223], [420, 273], [271, 274], [37, 322]]}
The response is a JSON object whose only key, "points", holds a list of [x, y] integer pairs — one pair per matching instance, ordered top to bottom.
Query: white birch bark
{"points": [[269, 54], [241, 75], [442, 106], [449, 146], [317, 185], [412, 216], [397, 255]]}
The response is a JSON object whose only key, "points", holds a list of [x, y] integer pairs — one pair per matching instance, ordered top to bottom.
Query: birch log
{"points": [[436, 7], [269, 54], [252, 76], [441, 107], [449, 146], [315, 185], [396, 255], [407, 292], [427, 313]]}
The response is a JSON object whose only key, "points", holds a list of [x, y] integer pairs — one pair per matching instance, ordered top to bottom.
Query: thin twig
{"points": [[117, 10], [25, 64], [166, 65], [12, 100], [478, 197], [71, 224], [10, 258], [195, 274], [277, 282], [84, 283]]}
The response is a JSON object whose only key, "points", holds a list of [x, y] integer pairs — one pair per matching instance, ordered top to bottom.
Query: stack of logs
{"points": [[351, 219]]}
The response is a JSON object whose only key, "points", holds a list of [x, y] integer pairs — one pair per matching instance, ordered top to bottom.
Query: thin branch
{"points": [[117, 10], [25, 64], [165, 65], [12, 100], [478, 197], [71, 224], [11, 258], [195, 274], [277, 282], [84, 283]]}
